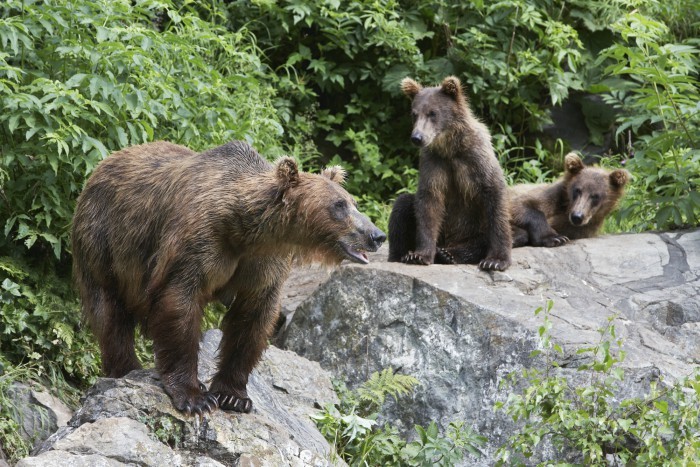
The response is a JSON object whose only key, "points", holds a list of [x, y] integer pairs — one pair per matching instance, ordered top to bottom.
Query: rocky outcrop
{"points": [[459, 330], [131, 421]]}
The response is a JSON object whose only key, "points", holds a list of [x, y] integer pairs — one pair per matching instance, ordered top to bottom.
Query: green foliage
{"points": [[82, 78], [654, 85], [41, 323], [590, 421], [352, 428], [165, 429]]}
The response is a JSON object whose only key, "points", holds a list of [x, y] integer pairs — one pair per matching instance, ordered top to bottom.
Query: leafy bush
{"points": [[81, 79], [654, 85], [589, 422], [353, 429]]}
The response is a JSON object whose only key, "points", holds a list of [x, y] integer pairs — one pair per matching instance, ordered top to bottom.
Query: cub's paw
{"points": [[555, 240], [442, 256], [414, 258], [494, 264], [231, 402]]}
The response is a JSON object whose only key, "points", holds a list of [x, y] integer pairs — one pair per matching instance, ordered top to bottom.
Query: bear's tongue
{"points": [[358, 256]]}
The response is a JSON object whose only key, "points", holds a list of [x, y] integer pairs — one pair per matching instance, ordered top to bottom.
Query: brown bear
{"points": [[573, 207], [460, 212], [160, 230]]}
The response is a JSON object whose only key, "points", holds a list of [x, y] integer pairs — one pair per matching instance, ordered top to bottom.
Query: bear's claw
{"points": [[555, 241], [442, 256], [413, 258], [493, 264], [204, 403], [234, 403]]}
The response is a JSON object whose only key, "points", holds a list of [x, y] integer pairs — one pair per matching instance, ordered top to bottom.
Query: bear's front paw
{"points": [[555, 240], [442, 256], [415, 258], [494, 264], [193, 401], [232, 402]]}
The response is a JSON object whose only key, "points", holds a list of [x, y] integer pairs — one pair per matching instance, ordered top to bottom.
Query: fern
{"points": [[374, 391]]}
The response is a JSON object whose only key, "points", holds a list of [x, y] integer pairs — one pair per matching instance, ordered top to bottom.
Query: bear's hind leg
{"points": [[402, 227], [114, 329]]}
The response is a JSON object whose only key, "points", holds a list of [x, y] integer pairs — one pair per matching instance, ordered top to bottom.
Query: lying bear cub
{"points": [[551, 214]]}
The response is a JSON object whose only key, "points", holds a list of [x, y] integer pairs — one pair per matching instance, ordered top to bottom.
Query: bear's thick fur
{"points": [[573, 207], [460, 213], [160, 230]]}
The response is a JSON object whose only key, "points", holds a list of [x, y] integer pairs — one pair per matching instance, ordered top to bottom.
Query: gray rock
{"points": [[459, 330], [37, 412], [131, 421]]}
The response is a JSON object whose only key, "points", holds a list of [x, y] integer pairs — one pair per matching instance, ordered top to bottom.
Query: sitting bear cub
{"points": [[551, 214]]}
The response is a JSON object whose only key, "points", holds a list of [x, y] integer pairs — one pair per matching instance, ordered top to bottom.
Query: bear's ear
{"points": [[452, 87], [410, 88], [573, 164], [287, 172], [335, 173], [619, 178]]}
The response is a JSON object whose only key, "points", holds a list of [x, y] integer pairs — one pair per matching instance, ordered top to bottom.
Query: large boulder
{"points": [[459, 330], [131, 421]]}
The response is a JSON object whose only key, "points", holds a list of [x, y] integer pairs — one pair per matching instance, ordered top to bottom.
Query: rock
{"points": [[459, 330], [37, 412], [131, 421]]}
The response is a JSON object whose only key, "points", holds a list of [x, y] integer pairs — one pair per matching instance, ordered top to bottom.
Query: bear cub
{"points": [[573, 207], [460, 212], [160, 230]]}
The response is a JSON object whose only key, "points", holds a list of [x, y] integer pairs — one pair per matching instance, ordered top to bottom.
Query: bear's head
{"points": [[434, 110], [593, 192], [324, 216]]}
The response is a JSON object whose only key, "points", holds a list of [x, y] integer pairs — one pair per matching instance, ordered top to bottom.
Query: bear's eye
{"points": [[432, 115], [577, 192], [595, 199], [339, 205]]}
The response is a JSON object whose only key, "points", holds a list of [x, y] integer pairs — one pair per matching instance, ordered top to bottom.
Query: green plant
{"points": [[653, 82], [587, 421], [352, 427], [165, 429]]}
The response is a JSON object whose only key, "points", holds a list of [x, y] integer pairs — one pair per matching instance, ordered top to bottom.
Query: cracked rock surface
{"points": [[459, 330], [131, 421]]}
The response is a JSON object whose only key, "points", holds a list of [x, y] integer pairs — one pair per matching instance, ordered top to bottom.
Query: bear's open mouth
{"points": [[356, 255]]}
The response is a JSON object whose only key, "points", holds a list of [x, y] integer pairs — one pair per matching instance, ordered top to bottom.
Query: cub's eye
{"points": [[432, 114], [577, 192], [595, 199], [339, 205]]}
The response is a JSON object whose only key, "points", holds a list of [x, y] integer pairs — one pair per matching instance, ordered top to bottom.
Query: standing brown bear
{"points": [[574, 207], [460, 212], [160, 230]]}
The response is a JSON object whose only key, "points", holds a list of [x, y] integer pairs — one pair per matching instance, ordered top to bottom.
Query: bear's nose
{"points": [[417, 139], [576, 218], [378, 237]]}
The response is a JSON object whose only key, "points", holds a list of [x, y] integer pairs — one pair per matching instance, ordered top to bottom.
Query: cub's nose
{"points": [[417, 139], [576, 218], [378, 237]]}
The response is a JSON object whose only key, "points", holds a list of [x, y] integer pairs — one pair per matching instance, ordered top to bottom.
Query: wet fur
{"points": [[460, 212], [541, 215], [160, 231]]}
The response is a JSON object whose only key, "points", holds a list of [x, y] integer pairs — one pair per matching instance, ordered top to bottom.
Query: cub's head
{"points": [[434, 109], [593, 192], [323, 216]]}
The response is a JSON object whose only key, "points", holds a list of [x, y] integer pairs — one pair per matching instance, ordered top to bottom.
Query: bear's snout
{"points": [[417, 138], [576, 218], [378, 237]]}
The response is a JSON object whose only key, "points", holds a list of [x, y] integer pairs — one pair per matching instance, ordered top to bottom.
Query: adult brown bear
{"points": [[460, 213], [160, 230]]}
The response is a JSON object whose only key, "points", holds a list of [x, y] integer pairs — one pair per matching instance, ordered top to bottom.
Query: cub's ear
{"points": [[452, 87], [410, 88], [572, 164], [287, 172], [335, 173], [619, 178]]}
